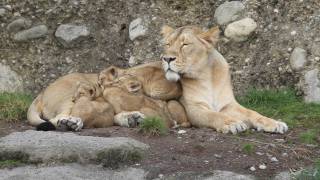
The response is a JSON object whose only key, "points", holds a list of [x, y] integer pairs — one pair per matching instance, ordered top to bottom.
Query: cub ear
{"points": [[166, 30], [211, 36], [108, 75], [134, 86]]}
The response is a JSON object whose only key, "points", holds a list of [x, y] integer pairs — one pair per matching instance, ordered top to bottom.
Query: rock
{"points": [[2, 12], [228, 12], [18, 25], [137, 28], [240, 30], [32, 33], [69, 35], [315, 49], [298, 58], [132, 61], [10, 81], [312, 86], [182, 131], [69, 147], [217, 156], [274, 159], [262, 166], [252, 168], [72, 172], [218, 175], [283, 176]]}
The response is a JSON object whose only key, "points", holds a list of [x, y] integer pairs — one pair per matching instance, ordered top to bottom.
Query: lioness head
{"points": [[187, 50]]}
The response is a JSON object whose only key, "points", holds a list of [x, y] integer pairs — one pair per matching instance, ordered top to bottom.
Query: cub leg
{"points": [[178, 113], [202, 116]]}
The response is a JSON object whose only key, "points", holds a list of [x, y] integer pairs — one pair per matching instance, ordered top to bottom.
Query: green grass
{"points": [[284, 105], [14, 106], [154, 126], [309, 137], [248, 148], [10, 163], [309, 174]]}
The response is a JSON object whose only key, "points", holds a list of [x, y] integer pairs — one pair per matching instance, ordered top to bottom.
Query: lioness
{"points": [[126, 93], [208, 98], [55, 106]]}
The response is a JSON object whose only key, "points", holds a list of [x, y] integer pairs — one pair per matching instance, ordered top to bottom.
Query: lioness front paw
{"points": [[129, 119], [70, 123], [270, 125], [234, 127]]}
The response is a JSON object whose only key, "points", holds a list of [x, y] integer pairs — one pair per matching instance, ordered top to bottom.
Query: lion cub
{"points": [[126, 93]]}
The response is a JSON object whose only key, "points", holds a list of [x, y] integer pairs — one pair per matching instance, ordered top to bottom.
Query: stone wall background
{"points": [[96, 34]]}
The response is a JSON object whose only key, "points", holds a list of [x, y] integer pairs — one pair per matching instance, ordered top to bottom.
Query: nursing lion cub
{"points": [[125, 90], [208, 98]]}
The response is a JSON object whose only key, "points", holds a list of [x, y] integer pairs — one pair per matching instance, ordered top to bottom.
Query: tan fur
{"points": [[207, 91], [126, 93], [78, 95]]}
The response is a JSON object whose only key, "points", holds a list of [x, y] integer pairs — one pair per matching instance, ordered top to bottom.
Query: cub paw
{"points": [[129, 119], [70, 123], [270, 125], [234, 127]]}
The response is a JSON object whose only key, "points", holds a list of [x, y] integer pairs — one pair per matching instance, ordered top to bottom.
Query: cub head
{"points": [[187, 50], [109, 76], [88, 90]]}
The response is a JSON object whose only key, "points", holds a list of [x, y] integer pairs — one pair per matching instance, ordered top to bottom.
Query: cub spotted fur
{"points": [[208, 98]]}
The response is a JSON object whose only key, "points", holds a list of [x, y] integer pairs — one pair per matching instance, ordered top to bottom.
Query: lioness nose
{"points": [[169, 59]]}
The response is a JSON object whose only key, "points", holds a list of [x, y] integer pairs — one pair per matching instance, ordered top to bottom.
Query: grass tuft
{"points": [[285, 105], [14, 106], [154, 126], [309, 137], [248, 148], [309, 174]]}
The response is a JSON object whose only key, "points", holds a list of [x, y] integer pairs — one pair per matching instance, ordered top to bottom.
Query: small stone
{"points": [[8, 7], [275, 10], [2, 12], [228, 12], [18, 25], [137, 28], [240, 30], [32, 33], [293, 33], [69, 35], [289, 49], [298, 58], [317, 58], [132, 61], [312, 86], [182, 131], [259, 153], [284, 154], [217, 156], [274, 159], [206, 161], [262, 166], [252, 168], [160, 176]]}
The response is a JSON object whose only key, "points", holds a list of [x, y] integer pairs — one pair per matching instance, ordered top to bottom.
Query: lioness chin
{"points": [[189, 56]]}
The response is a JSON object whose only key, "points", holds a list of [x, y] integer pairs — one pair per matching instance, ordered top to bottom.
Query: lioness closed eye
{"points": [[207, 96]]}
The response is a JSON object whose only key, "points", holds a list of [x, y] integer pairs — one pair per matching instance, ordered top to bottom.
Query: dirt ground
{"points": [[200, 150]]}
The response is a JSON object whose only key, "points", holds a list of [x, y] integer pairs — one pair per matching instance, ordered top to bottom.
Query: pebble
{"points": [[2, 12], [137, 28], [293, 33], [317, 58], [182, 131], [259, 153], [284, 154], [217, 156], [274, 159], [206, 161], [262, 166], [252, 168], [160, 176]]}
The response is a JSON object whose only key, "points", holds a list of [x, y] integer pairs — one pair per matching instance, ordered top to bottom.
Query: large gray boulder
{"points": [[228, 12], [240, 30], [32, 33], [69, 35], [298, 58], [10, 81], [68, 147], [71, 172]]}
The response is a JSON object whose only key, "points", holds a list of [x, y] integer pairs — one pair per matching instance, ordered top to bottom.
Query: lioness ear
{"points": [[166, 30], [211, 36], [134, 86]]}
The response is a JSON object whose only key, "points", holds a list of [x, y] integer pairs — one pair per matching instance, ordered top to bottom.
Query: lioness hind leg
{"points": [[178, 113], [128, 119], [256, 120]]}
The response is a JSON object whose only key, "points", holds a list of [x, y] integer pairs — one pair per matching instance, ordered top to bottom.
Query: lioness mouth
{"points": [[172, 76]]}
